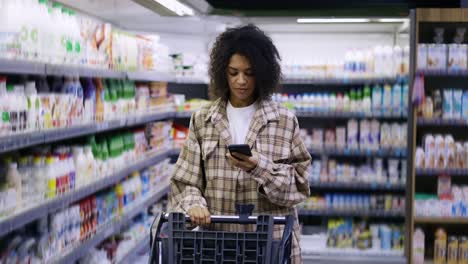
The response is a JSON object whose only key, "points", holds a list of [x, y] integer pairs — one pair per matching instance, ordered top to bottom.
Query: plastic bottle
{"points": [[56, 46], [89, 101], [366, 103], [33, 106], [4, 108], [91, 163], [80, 167], [71, 171], [51, 177], [39, 179], [14, 181], [27, 184]]}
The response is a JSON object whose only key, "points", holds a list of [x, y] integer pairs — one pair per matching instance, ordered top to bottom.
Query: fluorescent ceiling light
{"points": [[176, 7], [332, 20], [391, 20]]}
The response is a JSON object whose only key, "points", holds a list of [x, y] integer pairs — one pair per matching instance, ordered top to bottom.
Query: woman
{"points": [[244, 72]]}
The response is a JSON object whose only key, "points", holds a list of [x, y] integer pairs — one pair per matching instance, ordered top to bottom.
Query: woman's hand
{"points": [[244, 162], [199, 215]]}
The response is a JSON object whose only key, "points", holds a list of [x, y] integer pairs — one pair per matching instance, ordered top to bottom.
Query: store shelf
{"points": [[21, 67], [81, 71], [444, 73], [151, 76], [190, 80], [340, 81], [183, 114], [347, 115], [442, 122], [18, 141], [358, 153], [437, 172], [356, 186], [338, 213], [440, 220], [16, 221], [113, 227], [133, 253], [362, 258]]}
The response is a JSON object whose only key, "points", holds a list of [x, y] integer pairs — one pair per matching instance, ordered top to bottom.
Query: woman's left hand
{"points": [[244, 162]]}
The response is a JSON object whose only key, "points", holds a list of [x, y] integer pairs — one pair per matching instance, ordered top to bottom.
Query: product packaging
{"points": [[422, 56], [437, 56], [457, 57], [387, 98], [397, 98], [448, 103], [457, 103], [437, 104], [465, 105], [428, 107], [353, 133], [364, 135], [374, 135], [385, 136], [395, 136], [341, 137], [317, 138], [330, 139], [429, 151], [450, 151], [439, 152], [460, 156], [444, 187], [418, 246], [440, 246], [452, 250]]}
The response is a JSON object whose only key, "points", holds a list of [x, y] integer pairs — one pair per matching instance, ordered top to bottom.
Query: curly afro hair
{"points": [[252, 43]]}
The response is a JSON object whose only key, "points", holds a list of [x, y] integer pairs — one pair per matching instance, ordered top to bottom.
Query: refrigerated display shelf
{"points": [[21, 67], [82, 71], [444, 73], [151, 76], [341, 81], [183, 114], [348, 115], [442, 122], [22, 140], [397, 153], [437, 172], [357, 186], [338, 213], [440, 220], [16, 221], [112, 228], [132, 254], [363, 258]]}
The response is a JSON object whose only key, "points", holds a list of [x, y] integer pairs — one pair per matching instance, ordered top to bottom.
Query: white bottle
{"points": [[56, 46], [4, 105], [33, 106], [91, 163], [80, 165], [39, 179], [14, 181], [27, 184]]}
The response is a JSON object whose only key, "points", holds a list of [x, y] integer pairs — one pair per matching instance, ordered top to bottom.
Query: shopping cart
{"points": [[218, 247]]}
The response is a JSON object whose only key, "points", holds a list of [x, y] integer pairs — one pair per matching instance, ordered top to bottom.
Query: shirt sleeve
{"points": [[187, 179], [285, 184]]}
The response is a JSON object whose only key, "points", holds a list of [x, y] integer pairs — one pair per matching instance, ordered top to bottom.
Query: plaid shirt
{"points": [[275, 186]]}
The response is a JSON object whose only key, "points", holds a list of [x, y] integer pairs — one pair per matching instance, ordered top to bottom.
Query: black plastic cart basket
{"points": [[182, 246]]}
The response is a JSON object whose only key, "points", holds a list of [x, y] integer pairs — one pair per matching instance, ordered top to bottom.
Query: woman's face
{"points": [[241, 81]]}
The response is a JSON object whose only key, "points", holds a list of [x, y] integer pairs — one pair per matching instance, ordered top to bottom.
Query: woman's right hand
{"points": [[199, 215]]}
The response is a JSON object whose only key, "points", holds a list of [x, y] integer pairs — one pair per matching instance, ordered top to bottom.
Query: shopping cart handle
{"points": [[234, 219]]}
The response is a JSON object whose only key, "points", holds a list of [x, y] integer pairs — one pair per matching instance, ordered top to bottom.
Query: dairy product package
{"points": [[422, 56], [437, 56], [457, 57], [387, 98], [377, 99], [397, 103], [457, 103], [447, 104], [465, 105], [353, 134], [364, 135], [374, 135], [385, 135], [395, 136], [341, 137], [317, 138], [330, 139], [429, 151], [450, 151], [439, 152], [459, 156], [419, 159]]}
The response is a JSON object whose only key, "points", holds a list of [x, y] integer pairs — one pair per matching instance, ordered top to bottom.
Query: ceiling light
{"points": [[167, 7], [332, 20], [391, 20]]}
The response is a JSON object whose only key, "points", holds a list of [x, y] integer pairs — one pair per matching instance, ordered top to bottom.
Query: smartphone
{"points": [[240, 148]]}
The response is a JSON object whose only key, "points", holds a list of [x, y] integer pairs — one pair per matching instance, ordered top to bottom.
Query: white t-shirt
{"points": [[239, 121]]}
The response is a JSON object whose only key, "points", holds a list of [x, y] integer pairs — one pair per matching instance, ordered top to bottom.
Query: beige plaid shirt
{"points": [[275, 186]]}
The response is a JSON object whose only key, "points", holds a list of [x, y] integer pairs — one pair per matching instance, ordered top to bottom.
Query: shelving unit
{"points": [[422, 27], [340, 81], [349, 115], [18, 141], [358, 153], [357, 186], [343, 213], [29, 215], [112, 227], [143, 244], [363, 258]]}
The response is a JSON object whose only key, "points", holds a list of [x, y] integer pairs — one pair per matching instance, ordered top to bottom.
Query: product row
{"points": [[51, 33], [379, 61], [378, 99], [446, 104], [33, 105], [365, 135], [442, 152], [332, 171], [47, 172], [450, 201], [355, 202], [346, 233], [53, 235], [447, 249]]}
